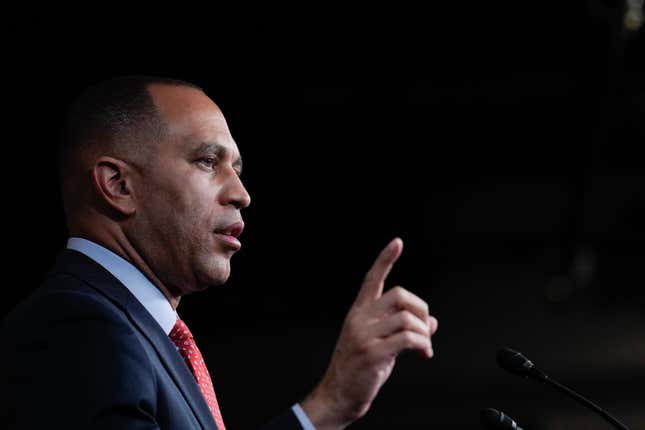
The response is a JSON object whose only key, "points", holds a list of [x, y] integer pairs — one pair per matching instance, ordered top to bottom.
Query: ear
{"points": [[112, 180]]}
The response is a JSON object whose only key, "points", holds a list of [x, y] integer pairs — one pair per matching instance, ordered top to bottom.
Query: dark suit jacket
{"points": [[83, 353]]}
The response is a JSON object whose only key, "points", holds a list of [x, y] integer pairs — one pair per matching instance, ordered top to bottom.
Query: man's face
{"points": [[190, 194]]}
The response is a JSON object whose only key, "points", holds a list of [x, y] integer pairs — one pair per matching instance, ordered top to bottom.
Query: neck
{"points": [[117, 242]]}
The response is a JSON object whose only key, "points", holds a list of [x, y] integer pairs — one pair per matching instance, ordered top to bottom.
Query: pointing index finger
{"points": [[372, 287]]}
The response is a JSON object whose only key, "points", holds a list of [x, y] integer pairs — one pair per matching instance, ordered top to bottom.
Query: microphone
{"points": [[517, 364], [493, 419]]}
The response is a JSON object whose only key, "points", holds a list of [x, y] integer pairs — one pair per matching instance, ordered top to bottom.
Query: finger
{"points": [[372, 287], [399, 298], [400, 321], [433, 324], [393, 345]]}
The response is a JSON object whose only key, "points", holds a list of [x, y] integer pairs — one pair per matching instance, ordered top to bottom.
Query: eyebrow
{"points": [[220, 151]]}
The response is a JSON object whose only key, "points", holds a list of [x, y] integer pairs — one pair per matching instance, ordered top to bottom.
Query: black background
{"points": [[501, 142]]}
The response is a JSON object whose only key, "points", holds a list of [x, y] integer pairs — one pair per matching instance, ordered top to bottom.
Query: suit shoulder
{"points": [[63, 300], [75, 330], [74, 347]]}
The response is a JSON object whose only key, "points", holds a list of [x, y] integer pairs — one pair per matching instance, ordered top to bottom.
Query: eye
{"points": [[209, 162]]}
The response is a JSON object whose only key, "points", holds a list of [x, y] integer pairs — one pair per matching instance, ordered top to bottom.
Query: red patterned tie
{"points": [[183, 339]]}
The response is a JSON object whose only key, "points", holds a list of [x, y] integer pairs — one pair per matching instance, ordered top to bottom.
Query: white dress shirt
{"points": [[150, 296]]}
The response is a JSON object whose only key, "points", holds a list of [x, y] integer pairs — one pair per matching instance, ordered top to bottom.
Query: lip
{"points": [[230, 233], [229, 240]]}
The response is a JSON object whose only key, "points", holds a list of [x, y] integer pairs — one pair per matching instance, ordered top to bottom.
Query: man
{"points": [[152, 194]]}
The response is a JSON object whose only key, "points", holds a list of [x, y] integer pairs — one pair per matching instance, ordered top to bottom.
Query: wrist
{"points": [[324, 411]]}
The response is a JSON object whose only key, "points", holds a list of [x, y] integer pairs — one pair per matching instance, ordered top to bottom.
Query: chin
{"points": [[210, 268], [217, 272], [208, 280], [217, 281]]}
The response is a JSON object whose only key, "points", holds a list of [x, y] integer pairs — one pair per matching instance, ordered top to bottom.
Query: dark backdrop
{"points": [[501, 143]]}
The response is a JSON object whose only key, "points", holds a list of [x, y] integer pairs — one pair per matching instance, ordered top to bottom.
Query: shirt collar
{"points": [[150, 296]]}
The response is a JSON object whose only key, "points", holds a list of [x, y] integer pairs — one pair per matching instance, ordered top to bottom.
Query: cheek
{"points": [[178, 198], [200, 198], [195, 205], [183, 208], [196, 215]]}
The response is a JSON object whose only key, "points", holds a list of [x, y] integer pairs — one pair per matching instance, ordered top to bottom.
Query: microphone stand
{"points": [[514, 362], [542, 377]]}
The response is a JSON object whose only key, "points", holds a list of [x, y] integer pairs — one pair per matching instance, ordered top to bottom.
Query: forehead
{"points": [[191, 117]]}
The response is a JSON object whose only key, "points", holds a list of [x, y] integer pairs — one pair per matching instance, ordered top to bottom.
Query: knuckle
{"points": [[400, 295], [425, 308], [406, 320], [408, 338]]}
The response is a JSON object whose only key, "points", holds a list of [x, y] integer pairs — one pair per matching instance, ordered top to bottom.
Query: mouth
{"points": [[228, 235]]}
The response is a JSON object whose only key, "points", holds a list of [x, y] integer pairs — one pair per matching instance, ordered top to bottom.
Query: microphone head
{"points": [[514, 362], [492, 419]]}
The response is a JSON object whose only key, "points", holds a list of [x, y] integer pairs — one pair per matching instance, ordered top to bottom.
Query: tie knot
{"points": [[180, 332]]}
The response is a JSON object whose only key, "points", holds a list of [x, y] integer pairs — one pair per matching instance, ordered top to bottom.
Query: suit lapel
{"points": [[81, 266]]}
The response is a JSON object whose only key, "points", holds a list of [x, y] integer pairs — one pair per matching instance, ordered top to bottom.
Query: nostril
{"points": [[241, 203]]}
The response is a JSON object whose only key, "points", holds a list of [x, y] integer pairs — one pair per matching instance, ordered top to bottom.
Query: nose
{"points": [[235, 193]]}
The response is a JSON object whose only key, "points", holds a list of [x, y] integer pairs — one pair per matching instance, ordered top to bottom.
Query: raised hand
{"points": [[377, 328]]}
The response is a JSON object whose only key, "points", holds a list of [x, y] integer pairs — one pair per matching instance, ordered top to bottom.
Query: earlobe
{"points": [[112, 182]]}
